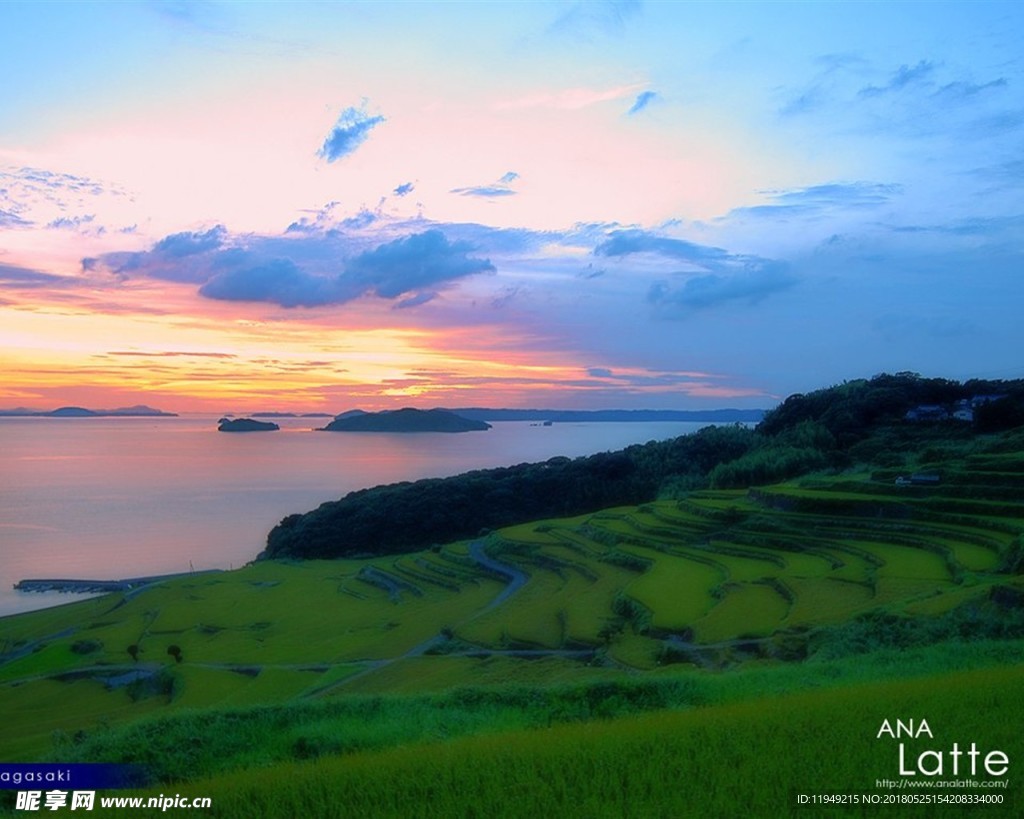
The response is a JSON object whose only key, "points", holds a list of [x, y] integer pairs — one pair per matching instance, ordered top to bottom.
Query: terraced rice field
{"points": [[715, 578]]}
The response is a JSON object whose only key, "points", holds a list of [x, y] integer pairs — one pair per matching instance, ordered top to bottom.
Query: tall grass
{"points": [[749, 758]]}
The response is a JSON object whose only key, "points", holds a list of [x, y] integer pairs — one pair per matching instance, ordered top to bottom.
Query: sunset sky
{"points": [[250, 206]]}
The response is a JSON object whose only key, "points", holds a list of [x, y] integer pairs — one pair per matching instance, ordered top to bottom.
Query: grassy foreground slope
{"points": [[720, 761]]}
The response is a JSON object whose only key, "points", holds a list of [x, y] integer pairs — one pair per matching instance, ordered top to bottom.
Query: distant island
{"points": [[138, 411], [292, 415], [405, 420], [245, 425]]}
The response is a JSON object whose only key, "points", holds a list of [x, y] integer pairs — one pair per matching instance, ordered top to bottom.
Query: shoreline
{"points": [[83, 586]]}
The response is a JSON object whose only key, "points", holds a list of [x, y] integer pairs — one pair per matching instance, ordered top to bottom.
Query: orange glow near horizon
{"points": [[74, 353], [214, 361]]}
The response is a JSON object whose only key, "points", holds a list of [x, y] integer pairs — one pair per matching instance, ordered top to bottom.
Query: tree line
{"points": [[860, 420]]}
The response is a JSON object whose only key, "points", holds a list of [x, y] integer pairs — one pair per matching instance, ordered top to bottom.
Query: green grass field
{"points": [[715, 601]]}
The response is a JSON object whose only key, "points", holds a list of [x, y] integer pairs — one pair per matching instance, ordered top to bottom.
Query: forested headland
{"points": [[866, 421]]}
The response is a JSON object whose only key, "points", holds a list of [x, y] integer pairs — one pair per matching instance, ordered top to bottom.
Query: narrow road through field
{"points": [[517, 577]]}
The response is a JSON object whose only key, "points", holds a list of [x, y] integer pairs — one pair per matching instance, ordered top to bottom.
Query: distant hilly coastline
{"points": [[139, 410], [487, 414], [292, 415], [727, 416]]}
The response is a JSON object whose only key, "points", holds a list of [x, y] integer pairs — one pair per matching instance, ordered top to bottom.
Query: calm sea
{"points": [[110, 498]]}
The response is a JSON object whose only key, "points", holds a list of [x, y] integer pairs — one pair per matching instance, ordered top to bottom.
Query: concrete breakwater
{"points": [[78, 586]]}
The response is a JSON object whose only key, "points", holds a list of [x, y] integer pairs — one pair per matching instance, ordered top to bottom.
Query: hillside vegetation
{"points": [[870, 574]]}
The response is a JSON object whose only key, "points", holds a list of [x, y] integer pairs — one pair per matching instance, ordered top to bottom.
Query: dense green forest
{"points": [[867, 421]]}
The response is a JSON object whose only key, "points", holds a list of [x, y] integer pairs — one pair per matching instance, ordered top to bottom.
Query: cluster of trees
{"points": [[853, 410], [823, 429], [807, 447]]}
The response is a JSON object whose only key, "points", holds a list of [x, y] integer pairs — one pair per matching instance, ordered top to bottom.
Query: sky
{"points": [[241, 206]]}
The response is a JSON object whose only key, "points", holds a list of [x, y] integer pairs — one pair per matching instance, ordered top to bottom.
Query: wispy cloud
{"points": [[201, 16], [591, 19], [905, 76], [925, 98], [569, 99], [641, 102], [349, 132], [502, 187], [31, 196], [818, 200], [9, 219], [72, 222], [634, 240], [13, 276], [712, 276], [748, 286], [900, 327], [170, 354]]}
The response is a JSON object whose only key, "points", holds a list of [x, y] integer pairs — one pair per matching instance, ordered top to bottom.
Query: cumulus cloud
{"points": [[642, 101], [349, 132], [178, 245], [180, 257], [414, 263], [307, 271], [279, 281]]}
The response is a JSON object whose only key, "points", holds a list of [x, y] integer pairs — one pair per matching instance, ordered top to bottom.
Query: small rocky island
{"points": [[404, 420], [245, 425]]}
